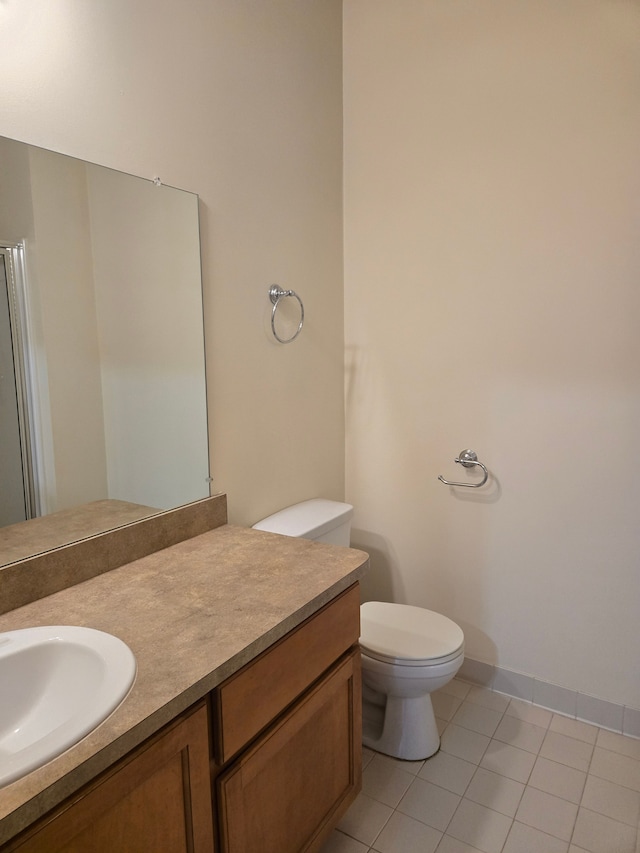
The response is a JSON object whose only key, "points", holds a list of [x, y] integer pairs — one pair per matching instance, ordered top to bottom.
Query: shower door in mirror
{"points": [[14, 493]]}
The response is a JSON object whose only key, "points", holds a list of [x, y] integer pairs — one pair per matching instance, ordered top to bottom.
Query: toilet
{"points": [[407, 652]]}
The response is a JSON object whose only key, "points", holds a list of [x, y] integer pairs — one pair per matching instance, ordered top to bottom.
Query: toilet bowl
{"points": [[407, 652]]}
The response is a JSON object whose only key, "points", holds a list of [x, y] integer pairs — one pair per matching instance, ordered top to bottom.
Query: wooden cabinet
{"points": [[296, 712], [287, 791], [156, 799]]}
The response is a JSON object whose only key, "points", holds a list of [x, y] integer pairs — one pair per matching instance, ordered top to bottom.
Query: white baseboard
{"points": [[571, 703]]}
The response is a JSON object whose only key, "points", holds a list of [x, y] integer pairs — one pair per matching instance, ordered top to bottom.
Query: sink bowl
{"points": [[56, 685]]}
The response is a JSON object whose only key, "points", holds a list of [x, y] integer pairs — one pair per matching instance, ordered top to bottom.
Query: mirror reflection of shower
{"points": [[101, 336]]}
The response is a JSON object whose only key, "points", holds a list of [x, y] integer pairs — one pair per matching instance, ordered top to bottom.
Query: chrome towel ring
{"points": [[275, 295], [468, 458]]}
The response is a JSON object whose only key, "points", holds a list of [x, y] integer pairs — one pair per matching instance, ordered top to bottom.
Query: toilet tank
{"points": [[319, 519]]}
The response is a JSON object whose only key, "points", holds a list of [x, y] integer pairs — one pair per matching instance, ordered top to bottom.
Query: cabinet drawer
{"points": [[258, 693]]}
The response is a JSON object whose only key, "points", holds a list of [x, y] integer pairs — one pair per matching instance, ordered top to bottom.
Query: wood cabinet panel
{"points": [[248, 702], [289, 789], [157, 799]]}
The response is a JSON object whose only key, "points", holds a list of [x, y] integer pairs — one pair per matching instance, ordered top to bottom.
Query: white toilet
{"points": [[407, 652]]}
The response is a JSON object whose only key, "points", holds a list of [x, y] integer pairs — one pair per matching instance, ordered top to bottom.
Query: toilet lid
{"points": [[402, 632]]}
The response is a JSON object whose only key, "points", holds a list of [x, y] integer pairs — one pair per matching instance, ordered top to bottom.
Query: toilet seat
{"points": [[404, 635], [408, 663]]}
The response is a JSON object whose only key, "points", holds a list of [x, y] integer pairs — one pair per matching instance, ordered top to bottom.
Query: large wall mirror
{"points": [[102, 376]]}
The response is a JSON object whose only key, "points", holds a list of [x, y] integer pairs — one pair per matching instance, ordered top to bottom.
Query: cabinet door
{"points": [[286, 793], [157, 799]]}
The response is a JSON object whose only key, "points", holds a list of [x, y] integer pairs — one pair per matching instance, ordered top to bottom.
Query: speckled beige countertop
{"points": [[22, 540], [193, 614]]}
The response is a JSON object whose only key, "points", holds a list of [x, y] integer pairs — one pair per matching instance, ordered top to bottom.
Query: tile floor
{"points": [[510, 777]]}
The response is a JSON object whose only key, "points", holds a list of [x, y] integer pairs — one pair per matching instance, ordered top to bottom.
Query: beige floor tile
{"points": [[456, 687], [488, 699], [445, 705], [529, 713], [477, 718], [574, 728], [520, 733], [463, 743], [619, 743], [566, 750], [367, 756], [508, 761], [412, 767], [616, 768], [448, 772], [558, 779], [384, 782], [496, 792], [573, 797], [611, 800], [429, 803], [547, 813], [365, 819], [479, 826], [404, 834], [599, 834], [526, 839], [338, 842], [453, 845]]}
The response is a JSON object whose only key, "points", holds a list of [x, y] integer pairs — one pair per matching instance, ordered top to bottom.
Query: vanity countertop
{"points": [[193, 614]]}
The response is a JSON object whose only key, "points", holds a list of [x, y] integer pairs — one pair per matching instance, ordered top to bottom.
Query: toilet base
{"points": [[403, 727]]}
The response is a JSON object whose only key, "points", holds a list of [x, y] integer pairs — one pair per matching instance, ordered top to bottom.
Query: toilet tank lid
{"points": [[308, 519]]}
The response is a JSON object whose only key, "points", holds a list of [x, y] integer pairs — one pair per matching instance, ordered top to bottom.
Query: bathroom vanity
{"points": [[242, 731]]}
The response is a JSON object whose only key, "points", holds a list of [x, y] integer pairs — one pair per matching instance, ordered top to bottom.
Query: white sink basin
{"points": [[56, 685]]}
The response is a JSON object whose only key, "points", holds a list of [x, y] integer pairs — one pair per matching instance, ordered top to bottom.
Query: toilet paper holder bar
{"points": [[468, 458]]}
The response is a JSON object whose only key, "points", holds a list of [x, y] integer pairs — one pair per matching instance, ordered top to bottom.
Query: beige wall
{"points": [[239, 101], [492, 210]]}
